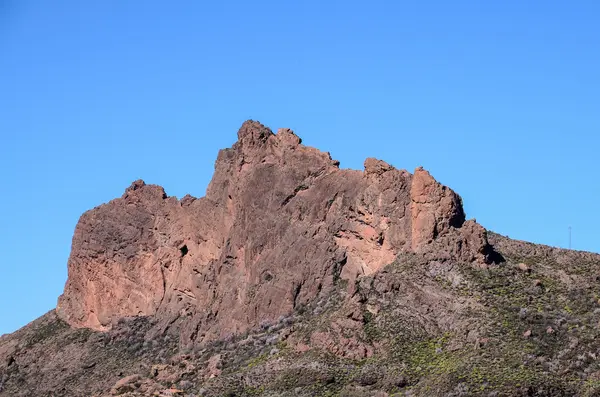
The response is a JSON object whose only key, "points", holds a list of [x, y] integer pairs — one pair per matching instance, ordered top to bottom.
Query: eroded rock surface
{"points": [[279, 225], [279, 283]]}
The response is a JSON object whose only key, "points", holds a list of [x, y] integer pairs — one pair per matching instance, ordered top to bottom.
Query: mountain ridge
{"points": [[262, 189], [295, 277]]}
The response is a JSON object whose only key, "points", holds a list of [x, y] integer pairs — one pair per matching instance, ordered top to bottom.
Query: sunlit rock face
{"points": [[279, 225]]}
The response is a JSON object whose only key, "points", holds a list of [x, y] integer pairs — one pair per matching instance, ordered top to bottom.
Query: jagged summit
{"points": [[279, 224]]}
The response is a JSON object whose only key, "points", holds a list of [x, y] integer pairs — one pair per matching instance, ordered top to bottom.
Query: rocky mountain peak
{"points": [[253, 133], [280, 225], [293, 277]]}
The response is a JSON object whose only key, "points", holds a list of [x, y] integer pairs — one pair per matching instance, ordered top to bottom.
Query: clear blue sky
{"points": [[499, 100]]}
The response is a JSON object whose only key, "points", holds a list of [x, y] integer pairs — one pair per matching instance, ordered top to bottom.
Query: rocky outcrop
{"points": [[434, 209], [281, 223], [295, 251]]}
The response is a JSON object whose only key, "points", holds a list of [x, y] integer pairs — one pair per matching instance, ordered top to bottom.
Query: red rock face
{"points": [[434, 209], [280, 223]]}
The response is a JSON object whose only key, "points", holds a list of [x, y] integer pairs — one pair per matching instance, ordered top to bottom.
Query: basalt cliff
{"points": [[295, 277]]}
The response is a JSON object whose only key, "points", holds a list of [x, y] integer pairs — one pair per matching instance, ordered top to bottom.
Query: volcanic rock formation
{"points": [[279, 225], [293, 277]]}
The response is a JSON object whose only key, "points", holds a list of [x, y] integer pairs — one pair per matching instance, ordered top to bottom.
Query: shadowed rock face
{"points": [[279, 225]]}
